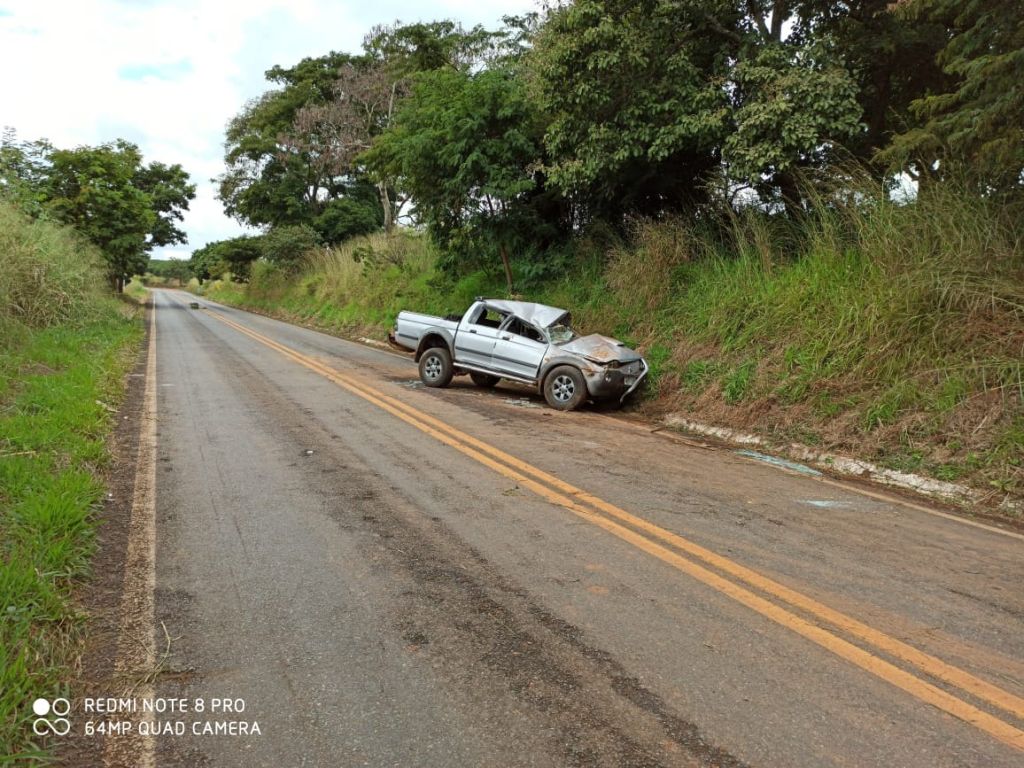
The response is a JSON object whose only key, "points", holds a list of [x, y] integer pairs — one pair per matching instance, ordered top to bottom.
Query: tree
{"points": [[410, 48], [891, 60], [635, 93], [648, 99], [789, 110], [975, 126], [329, 134], [332, 135], [466, 147], [23, 166], [279, 175], [167, 186], [122, 206], [288, 246], [234, 255], [205, 263], [170, 269]]}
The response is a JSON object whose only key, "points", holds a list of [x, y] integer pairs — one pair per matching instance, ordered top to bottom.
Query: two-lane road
{"points": [[393, 576]]}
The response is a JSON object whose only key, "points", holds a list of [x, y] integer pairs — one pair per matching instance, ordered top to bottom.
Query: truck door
{"points": [[477, 334], [519, 349]]}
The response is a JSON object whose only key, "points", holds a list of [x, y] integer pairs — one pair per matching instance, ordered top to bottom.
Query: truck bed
{"points": [[410, 327]]}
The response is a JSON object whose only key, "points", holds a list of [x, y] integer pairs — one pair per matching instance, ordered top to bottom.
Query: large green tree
{"points": [[424, 46], [891, 59], [636, 98], [649, 99], [791, 108], [973, 127], [332, 135], [466, 146], [23, 168], [280, 168], [123, 206], [234, 255], [170, 269]]}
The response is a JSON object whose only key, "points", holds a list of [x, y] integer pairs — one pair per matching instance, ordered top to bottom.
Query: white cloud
{"points": [[169, 75]]}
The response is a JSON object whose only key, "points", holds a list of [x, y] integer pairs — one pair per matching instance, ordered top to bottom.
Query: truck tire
{"points": [[436, 367], [484, 380], [565, 389]]}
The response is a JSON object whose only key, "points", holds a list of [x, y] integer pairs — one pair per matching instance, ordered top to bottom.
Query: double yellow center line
{"points": [[698, 562]]}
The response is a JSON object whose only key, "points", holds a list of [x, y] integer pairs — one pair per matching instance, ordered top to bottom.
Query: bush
{"points": [[287, 246], [136, 290]]}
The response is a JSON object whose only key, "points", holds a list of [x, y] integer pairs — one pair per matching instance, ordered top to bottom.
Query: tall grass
{"points": [[49, 275], [358, 287], [136, 290], [875, 294], [895, 330], [64, 348]]}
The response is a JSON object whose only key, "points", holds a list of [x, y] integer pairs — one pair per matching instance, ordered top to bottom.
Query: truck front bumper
{"points": [[606, 383]]}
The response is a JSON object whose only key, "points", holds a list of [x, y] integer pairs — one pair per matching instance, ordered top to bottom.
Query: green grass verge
{"points": [[136, 290], [65, 346], [58, 389]]}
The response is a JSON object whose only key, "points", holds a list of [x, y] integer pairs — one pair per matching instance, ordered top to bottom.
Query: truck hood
{"points": [[601, 349]]}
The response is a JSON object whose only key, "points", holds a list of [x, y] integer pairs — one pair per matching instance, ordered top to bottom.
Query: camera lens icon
{"points": [[58, 725]]}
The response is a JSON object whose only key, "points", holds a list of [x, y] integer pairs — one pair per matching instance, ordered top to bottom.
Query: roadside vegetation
{"points": [[115, 201], [805, 214], [135, 289], [886, 330], [65, 347]]}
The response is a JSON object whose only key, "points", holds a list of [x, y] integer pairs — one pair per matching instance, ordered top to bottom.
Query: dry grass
{"points": [[48, 275]]}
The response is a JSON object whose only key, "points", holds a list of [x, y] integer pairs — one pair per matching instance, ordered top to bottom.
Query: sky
{"points": [[168, 75]]}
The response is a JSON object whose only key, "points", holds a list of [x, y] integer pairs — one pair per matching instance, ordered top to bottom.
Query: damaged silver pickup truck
{"points": [[520, 341]]}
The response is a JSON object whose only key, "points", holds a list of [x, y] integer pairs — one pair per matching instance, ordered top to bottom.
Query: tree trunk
{"points": [[382, 187], [790, 191], [385, 203], [508, 267]]}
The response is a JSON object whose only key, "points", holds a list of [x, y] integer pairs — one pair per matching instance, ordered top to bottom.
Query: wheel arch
{"points": [[431, 340], [558, 362]]}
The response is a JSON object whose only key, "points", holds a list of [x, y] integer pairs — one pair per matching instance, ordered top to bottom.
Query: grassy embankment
{"points": [[136, 290], [895, 333], [65, 346]]}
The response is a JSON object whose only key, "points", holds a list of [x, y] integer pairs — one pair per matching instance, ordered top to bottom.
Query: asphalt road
{"points": [[387, 575]]}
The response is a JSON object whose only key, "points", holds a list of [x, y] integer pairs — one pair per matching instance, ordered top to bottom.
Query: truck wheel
{"points": [[436, 367], [484, 380], [565, 389]]}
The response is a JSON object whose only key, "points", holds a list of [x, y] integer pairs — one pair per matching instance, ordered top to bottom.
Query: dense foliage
{"points": [[973, 126], [507, 144], [110, 197]]}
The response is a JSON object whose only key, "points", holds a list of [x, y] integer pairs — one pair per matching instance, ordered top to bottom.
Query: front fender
{"points": [[588, 369]]}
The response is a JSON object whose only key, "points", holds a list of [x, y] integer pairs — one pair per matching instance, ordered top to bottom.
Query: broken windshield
{"points": [[560, 333]]}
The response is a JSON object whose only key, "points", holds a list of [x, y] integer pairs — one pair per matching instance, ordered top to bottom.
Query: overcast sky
{"points": [[169, 74]]}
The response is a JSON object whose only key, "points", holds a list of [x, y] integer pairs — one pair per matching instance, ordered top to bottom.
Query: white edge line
{"points": [[137, 601]]}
